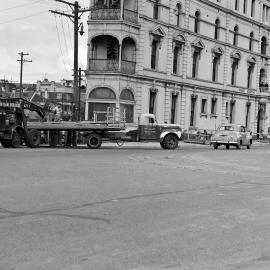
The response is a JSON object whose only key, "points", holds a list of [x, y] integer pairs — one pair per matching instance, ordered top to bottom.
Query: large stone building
{"points": [[194, 63]]}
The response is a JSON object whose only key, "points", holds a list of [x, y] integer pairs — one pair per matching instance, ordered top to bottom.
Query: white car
{"points": [[231, 134]]}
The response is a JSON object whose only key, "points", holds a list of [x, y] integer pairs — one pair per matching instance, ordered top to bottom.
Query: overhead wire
{"points": [[22, 5], [23, 18], [64, 33], [69, 35], [61, 50]]}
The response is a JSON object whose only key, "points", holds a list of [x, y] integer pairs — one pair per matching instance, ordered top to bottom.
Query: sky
{"points": [[28, 26]]}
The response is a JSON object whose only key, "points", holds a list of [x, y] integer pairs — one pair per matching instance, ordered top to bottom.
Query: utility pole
{"points": [[74, 17], [22, 60], [80, 85]]}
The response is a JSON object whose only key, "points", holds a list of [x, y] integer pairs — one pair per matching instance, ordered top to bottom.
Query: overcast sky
{"points": [[28, 26]]}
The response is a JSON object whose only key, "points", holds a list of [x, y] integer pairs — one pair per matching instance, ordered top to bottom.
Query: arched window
{"points": [[178, 14], [197, 22], [217, 25], [235, 35], [251, 37], [263, 45], [102, 93], [100, 101], [127, 105]]}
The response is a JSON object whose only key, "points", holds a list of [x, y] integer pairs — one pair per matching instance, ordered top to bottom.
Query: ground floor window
{"points": [[127, 110], [97, 111]]}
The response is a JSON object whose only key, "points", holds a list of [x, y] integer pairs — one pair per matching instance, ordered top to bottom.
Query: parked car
{"points": [[232, 134], [195, 135]]}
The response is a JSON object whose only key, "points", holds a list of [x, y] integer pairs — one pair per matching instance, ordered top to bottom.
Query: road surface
{"points": [[137, 207]]}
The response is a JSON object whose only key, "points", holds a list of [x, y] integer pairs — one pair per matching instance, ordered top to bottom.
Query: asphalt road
{"points": [[136, 207]]}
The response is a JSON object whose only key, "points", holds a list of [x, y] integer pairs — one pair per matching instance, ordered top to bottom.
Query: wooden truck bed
{"points": [[75, 126]]}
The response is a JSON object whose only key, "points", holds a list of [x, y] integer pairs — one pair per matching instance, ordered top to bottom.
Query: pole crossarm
{"points": [[63, 14]]}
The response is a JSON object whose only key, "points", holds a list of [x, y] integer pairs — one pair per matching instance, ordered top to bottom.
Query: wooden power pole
{"points": [[74, 17], [22, 61]]}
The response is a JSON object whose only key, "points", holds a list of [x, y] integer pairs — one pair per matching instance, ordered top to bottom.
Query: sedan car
{"points": [[231, 134]]}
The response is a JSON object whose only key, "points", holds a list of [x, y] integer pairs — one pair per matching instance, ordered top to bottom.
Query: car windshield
{"points": [[227, 128]]}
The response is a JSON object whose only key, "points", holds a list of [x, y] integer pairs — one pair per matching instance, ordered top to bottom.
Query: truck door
{"points": [[148, 130]]}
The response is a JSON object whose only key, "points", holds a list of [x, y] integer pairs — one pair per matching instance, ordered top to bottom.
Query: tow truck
{"points": [[13, 122], [16, 130]]}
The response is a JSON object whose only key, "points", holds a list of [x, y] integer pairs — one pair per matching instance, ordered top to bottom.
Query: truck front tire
{"points": [[16, 139], [94, 141], [170, 141], [162, 144]]}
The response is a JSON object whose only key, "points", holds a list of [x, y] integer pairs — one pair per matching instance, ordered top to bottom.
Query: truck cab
{"points": [[13, 122], [149, 130]]}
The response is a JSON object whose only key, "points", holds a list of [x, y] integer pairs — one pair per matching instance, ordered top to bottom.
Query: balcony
{"points": [[114, 14], [112, 65], [128, 67], [264, 89]]}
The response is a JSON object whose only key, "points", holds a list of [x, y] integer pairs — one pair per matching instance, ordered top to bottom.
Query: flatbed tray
{"points": [[76, 126]]}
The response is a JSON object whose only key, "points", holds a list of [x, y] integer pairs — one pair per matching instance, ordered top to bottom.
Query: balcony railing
{"points": [[102, 13], [105, 14], [130, 16], [104, 65], [112, 65], [128, 67], [264, 89]]}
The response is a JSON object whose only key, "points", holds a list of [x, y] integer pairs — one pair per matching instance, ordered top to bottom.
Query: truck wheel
{"points": [[34, 138], [53, 138], [16, 139], [94, 141], [170, 141], [6, 143], [162, 144]]}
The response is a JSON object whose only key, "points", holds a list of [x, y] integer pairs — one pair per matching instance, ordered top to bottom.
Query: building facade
{"points": [[193, 63]]}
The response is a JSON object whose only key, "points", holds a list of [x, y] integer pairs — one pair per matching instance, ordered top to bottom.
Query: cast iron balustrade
{"points": [[105, 14], [113, 14], [130, 16], [103, 65], [112, 65], [128, 67], [264, 89]]}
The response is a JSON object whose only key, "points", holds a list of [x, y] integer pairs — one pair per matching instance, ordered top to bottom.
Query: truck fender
{"points": [[18, 129], [165, 133]]}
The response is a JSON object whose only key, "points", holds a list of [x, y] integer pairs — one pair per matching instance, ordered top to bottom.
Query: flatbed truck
{"points": [[15, 129]]}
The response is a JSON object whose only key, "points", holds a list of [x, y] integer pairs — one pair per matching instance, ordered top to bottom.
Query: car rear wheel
{"points": [[170, 141], [215, 145]]}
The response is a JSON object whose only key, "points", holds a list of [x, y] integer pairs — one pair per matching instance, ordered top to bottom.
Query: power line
{"points": [[18, 6], [22, 18], [64, 34], [70, 40], [61, 50]]}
